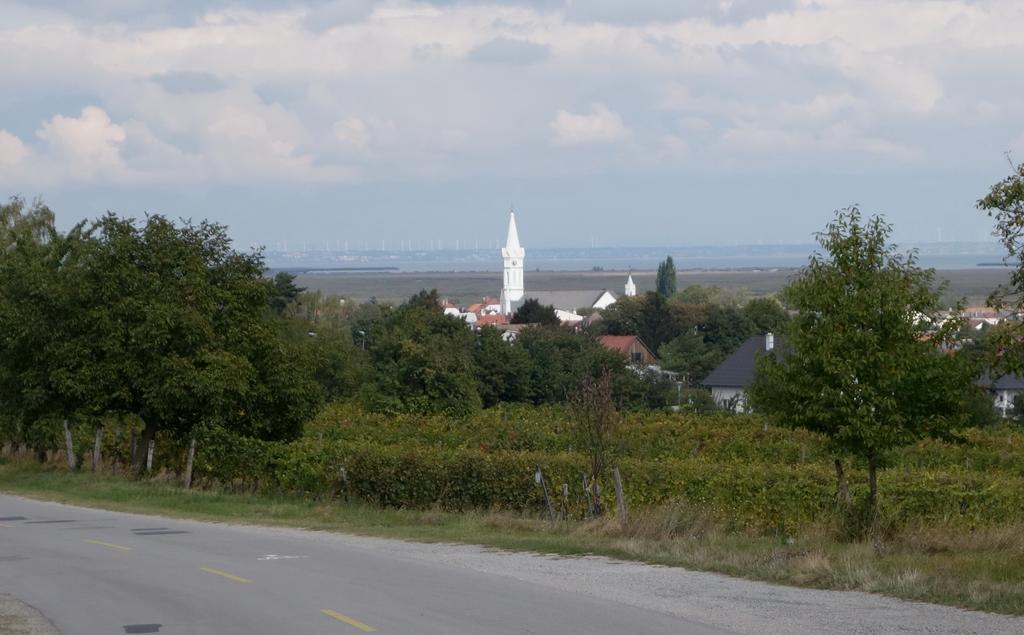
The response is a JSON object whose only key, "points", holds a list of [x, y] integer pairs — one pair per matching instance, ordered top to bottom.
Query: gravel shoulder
{"points": [[742, 606], [18, 618]]}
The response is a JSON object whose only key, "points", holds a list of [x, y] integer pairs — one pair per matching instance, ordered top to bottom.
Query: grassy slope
{"points": [[980, 570]]}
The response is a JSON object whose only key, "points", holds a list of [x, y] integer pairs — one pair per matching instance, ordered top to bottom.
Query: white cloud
{"points": [[303, 90], [600, 125], [352, 132], [90, 144], [12, 149]]}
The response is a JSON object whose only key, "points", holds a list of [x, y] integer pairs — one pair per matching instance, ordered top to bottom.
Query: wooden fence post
{"points": [[69, 447], [97, 447], [117, 449], [189, 462], [539, 476], [586, 491], [619, 498]]}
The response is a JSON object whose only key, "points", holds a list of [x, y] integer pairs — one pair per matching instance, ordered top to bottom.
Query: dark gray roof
{"points": [[564, 300], [737, 371], [1005, 382]]}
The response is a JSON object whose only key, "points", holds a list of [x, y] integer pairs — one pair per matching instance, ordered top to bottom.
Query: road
{"points": [[97, 572]]}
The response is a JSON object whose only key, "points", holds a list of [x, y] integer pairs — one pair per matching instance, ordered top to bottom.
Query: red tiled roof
{"points": [[493, 320], [619, 343]]}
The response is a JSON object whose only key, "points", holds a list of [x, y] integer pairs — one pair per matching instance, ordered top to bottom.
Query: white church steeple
{"points": [[512, 253], [630, 285]]}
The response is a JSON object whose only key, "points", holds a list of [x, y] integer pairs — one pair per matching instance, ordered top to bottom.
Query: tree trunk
{"points": [[142, 446], [69, 447], [97, 447], [41, 454], [116, 457], [189, 462], [872, 480], [842, 489]]}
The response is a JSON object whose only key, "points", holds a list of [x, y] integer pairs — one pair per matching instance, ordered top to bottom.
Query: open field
{"points": [[469, 286]]}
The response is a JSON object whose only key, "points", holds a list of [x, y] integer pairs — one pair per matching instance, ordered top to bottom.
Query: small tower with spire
{"points": [[512, 253], [630, 285]]}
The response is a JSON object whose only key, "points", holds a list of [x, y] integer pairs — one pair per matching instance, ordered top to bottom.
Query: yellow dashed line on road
{"points": [[106, 544], [223, 574], [348, 620]]}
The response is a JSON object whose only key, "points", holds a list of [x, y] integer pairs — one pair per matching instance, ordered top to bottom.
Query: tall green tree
{"points": [[1005, 204], [665, 282], [283, 291], [531, 311], [766, 314], [423, 361], [863, 364]]}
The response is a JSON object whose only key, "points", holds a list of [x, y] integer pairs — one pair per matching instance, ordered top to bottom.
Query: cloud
{"points": [[637, 12], [508, 51], [179, 82], [601, 125], [89, 144], [12, 149]]}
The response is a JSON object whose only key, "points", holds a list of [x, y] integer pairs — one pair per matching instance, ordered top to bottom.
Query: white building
{"points": [[513, 254], [566, 303]]}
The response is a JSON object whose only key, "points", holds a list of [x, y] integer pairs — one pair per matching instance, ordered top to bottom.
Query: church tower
{"points": [[512, 253], [630, 286]]}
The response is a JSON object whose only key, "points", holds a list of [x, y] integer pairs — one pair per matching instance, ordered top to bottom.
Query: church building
{"points": [[566, 303]]}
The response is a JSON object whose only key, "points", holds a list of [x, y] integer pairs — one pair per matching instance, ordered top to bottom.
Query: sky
{"points": [[647, 122]]}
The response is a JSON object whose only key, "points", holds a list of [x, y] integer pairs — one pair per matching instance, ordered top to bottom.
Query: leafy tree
{"points": [[1005, 203], [665, 282], [283, 291], [533, 312], [766, 314], [650, 317], [727, 328], [183, 335], [42, 347], [690, 355], [560, 359], [423, 361], [863, 366], [502, 368], [595, 423]]}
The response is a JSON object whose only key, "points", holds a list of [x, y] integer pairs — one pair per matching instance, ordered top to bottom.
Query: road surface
{"points": [[97, 572]]}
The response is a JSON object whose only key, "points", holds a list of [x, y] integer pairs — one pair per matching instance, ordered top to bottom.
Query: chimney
{"points": [[769, 341]]}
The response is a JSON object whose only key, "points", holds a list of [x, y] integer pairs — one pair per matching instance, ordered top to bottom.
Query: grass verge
{"points": [[977, 570]]}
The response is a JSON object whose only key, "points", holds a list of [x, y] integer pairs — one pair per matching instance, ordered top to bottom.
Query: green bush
{"points": [[733, 468]]}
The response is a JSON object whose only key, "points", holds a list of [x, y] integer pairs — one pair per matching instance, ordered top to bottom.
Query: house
{"points": [[514, 293], [569, 301], [631, 346], [729, 381], [1003, 390]]}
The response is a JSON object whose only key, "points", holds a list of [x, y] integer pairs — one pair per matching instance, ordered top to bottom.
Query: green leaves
{"points": [[665, 282], [862, 362]]}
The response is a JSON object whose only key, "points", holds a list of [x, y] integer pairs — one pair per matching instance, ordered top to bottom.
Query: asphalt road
{"points": [[97, 572]]}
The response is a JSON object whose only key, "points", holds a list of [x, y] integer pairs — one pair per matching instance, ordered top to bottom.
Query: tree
{"points": [[1005, 203], [665, 282], [283, 291], [533, 312], [766, 314], [43, 344], [559, 359], [423, 361], [863, 364], [502, 368], [595, 422]]}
